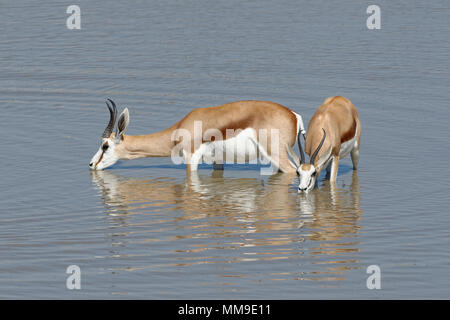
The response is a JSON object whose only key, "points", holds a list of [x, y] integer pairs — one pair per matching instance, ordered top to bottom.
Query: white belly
{"points": [[347, 146], [239, 149]]}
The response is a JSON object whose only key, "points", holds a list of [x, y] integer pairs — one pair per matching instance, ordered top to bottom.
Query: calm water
{"points": [[143, 229]]}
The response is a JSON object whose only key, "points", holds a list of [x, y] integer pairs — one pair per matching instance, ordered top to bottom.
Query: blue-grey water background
{"points": [[143, 230]]}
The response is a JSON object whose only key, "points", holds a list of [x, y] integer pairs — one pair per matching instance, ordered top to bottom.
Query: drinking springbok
{"points": [[231, 128], [334, 131]]}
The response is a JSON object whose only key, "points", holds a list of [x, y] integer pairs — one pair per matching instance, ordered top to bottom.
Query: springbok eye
{"points": [[105, 147]]}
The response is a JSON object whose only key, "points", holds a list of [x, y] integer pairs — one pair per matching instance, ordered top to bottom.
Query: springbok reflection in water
{"points": [[204, 219]]}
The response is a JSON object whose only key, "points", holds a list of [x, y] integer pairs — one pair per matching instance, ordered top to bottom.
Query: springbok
{"points": [[230, 128], [334, 131]]}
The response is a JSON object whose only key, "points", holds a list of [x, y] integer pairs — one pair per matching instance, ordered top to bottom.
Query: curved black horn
{"points": [[112, 119], [302, 154], [313, 157]]}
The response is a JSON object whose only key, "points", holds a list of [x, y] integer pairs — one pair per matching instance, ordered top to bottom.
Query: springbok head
{"points": [[111, 145], [308, 172]]}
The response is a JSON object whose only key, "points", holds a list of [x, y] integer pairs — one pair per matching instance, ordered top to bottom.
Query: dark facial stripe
{"points": [[101, 157], [310, 182]]}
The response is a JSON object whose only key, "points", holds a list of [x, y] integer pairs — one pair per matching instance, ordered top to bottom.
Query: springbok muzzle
{"points": [[309, 175]]}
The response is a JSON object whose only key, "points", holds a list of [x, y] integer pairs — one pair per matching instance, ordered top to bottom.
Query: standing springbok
{"points": [[229, 128], [334, 131]]}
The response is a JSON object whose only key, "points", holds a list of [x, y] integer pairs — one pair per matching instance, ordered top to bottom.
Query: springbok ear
{"points": [[122, 124]]}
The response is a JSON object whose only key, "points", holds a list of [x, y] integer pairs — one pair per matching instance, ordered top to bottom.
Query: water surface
{"points": [[145, 230]]}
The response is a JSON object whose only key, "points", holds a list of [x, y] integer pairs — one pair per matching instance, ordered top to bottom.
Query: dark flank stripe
{"points": [[349, 134]]}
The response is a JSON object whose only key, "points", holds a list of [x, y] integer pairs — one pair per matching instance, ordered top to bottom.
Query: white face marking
{"points": [[105, 156], [307, 179]]}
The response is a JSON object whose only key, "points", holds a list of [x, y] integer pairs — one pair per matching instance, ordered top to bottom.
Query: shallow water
{"points": [[143, 229]]}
